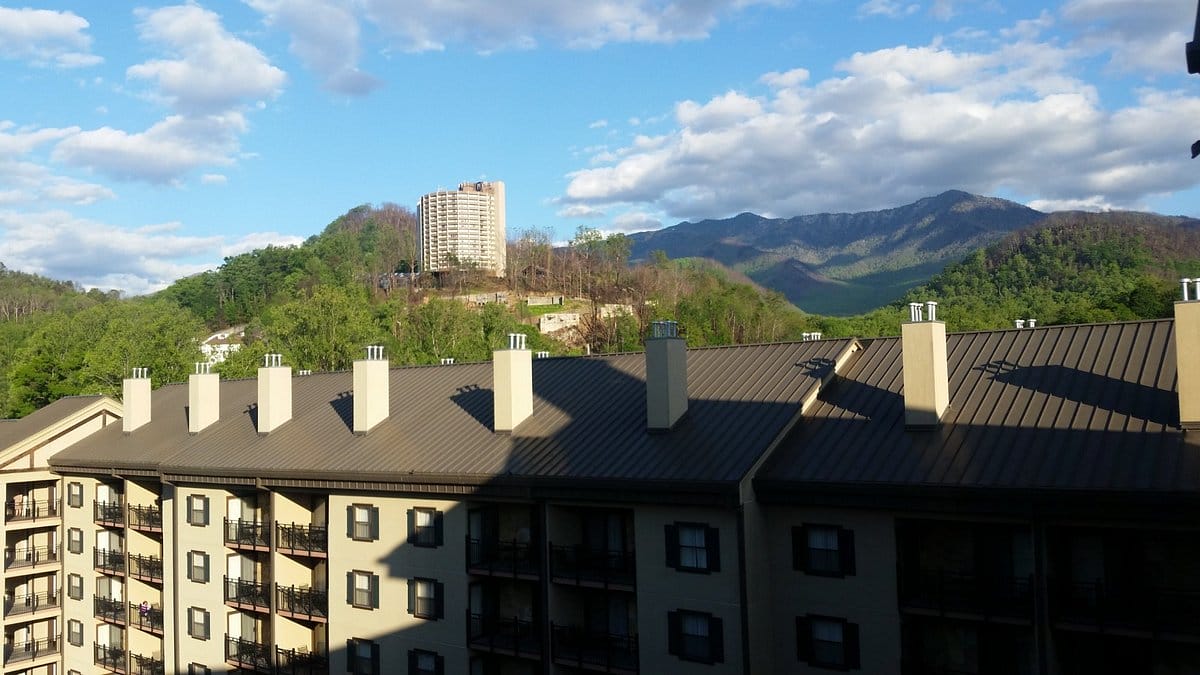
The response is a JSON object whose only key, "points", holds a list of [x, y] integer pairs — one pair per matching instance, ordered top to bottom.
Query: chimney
{"points": [[1187, 349], [666, 377], [926, 380], [512, 384], [371, 390], [274, 394], [204, 398], [135, 400]]}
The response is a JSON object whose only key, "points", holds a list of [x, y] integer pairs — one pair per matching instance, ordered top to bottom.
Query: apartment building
{"points": [[463, 228], [1016, 501]]}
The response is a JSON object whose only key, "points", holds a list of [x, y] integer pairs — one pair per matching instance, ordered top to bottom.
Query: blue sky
{"points": [[144, 142]]}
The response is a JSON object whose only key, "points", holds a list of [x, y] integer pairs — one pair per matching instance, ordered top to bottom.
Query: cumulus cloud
{"points": [[889, 8], [1137, 35], [45, 37], [325, 37], [598, 124], [898, 124], [214, 179], [28, 183], [580, 211], [635, 221]]}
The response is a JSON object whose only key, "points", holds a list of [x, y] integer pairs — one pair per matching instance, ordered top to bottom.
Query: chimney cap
{"points": [[1019, 323], [664, 329], [516, 340], [374, 352], [272, 360], [203, 367], [140, 373]]}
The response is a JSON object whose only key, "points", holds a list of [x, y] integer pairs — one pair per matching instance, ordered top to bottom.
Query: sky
{"points": [[140, 143]]}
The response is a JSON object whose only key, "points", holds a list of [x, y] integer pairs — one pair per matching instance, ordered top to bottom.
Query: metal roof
{"points": [[15, 431]]}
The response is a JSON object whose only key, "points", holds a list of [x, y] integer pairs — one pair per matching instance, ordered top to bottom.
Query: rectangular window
{"points": [[74, 494], [197, 510], [364, 522], [425, 527], [75, 540], [693, 547], [824, 550], [197, 566], [74, 587], [363, 589], [425, 598], [198, 623], [75, 632], [695, 636], [827, 642], [362, 657], [422, 662], [198, 669]]}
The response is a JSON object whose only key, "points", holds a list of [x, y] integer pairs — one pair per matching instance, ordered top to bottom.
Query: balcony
{"points": [[30, 510], [108, 514], [145, 518], [249, 535], [306, 540], [17, 558], [498, 558], [110, 562], [146, 567], [593, 568], [946, 591], [245, 594], [304, 603], [17, 605], [1136, 606], [110, 610], [149, 619], [511, 636], [17, 652], [599, 652], [248, 654], [110, 657], [300, 662], [146, 665]]}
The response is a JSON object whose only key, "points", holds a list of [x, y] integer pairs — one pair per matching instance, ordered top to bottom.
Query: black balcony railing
{"points": [[30, 509], [108, 513], [145, 518], [248, 534], [302, 539], [28, 557], [501, 558], [112, 562], [585, 566], [146, 567], [946, 590], [243, 592], [300, 602], [16, 605], [1136, 605], [109, 609], [147, 617], [504, 635], [16, 652], [604, 652], [248, 654], [111, 657], [300, 662], [145, 665]]}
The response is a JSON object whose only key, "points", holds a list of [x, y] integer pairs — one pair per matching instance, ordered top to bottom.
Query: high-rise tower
{"points": [[463, 228]]}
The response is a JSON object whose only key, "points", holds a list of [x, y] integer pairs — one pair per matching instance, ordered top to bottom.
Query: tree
{"points": [[324, 332]]}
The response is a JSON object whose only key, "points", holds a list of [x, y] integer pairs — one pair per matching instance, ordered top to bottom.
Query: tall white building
{"points": [[463, 227]]}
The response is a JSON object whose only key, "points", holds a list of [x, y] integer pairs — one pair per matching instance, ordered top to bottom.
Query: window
{"points": [[74, 494], [197, 510], [364, 522], [425, 527], [75, 540], [693, 547], [825, 550], [197, 566], [74, 587], [363, 589], [425, 598], [198, 623], [75, 632], [695, 636], [827, 642], [362, 657], [421, 662], [198, 669]]}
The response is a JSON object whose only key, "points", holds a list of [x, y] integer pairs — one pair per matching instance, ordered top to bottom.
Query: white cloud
{"points": [[889, 8], [1137, 35], [45, 37], [325, 37], [598, 124], [214, 179], [30, 184], [1089, 203], [580, 211], [635, 221]]}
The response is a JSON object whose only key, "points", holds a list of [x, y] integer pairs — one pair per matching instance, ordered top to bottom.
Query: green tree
{"points": [[324, 332]]}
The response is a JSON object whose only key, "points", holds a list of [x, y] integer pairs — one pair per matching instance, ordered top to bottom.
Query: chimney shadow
{"points": [[1100, 391], [476, 402], [343, 405], [252, 413]]}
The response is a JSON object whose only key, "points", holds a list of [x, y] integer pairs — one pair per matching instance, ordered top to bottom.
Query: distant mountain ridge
{"points": [[845, 263]]}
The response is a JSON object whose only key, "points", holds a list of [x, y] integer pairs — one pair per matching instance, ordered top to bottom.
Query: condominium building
{"points": [[463, 228], [1014, 501]]}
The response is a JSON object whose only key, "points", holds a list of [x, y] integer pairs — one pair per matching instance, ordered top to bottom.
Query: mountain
{"points": [[845, 263]]}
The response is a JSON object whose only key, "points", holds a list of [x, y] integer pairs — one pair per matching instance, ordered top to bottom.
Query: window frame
{"points": [[75, 494], [197, 510], [366, 529], [674, 533], [426, 536], [74, 540], [803, 553], [205, 568], [74, 586], [436, 598], [370, 599], [202, 629], [75, 632], [806, 643], [678, 645], [354, 660], [414, 668], [198, 669]]}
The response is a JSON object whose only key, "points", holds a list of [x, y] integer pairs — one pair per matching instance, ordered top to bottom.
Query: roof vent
{"points": [[1019, 323], [1031, 323], [809, 337], [543, 355], [448, 361], [512, 384], [372, 395], [204, 398], [135, 400]]}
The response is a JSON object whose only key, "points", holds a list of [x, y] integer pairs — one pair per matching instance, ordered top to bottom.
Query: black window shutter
{"points": [[204, 505], [350, 522], [374, 522], [412, 527], [437, 528], [672, 537], [712, 541], [800, 548], [846, 550], [204, 559], [191, 564], [349, 588], [374, 590], [412, 596], [439, 599], [206, 627], [674, 632], [850, 638], [716, 639], [803, 639], [351, 652], [374, 657], [412, 661], [439, 665]]}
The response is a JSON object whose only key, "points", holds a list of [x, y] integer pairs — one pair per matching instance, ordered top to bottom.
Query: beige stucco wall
{"points": [[187, 593]]}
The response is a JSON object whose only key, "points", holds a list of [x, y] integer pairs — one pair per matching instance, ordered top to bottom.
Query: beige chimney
{"points": [[1187, 355], [666, 377], [926, 381], [512, 384], [371, 390], [274, 394], [204, 398], [135, 400]]}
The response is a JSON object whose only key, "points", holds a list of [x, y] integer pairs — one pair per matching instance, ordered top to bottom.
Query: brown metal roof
{"points": [[1064, 408], [588, 424], [15, 431]]}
